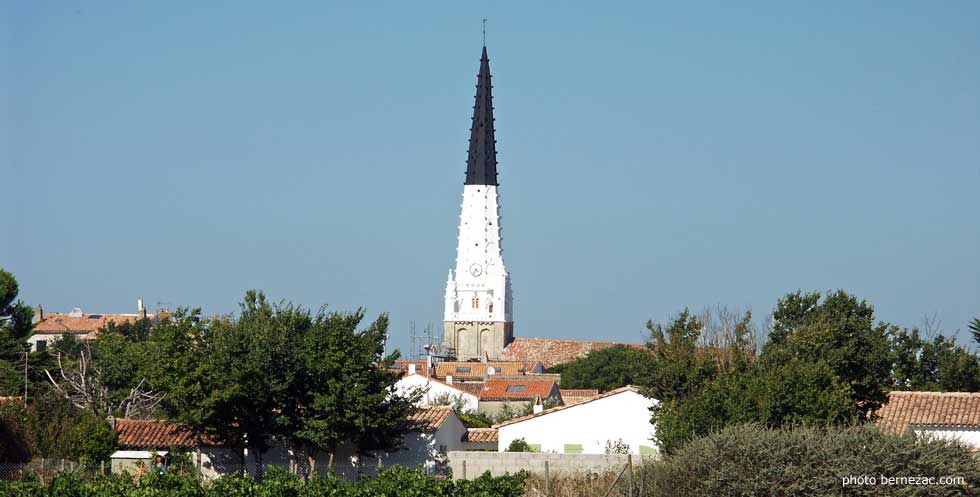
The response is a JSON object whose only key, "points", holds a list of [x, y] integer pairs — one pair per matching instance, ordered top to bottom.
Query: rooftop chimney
{"points": [[140, 309], [38, 314], [411, 368], [449, 379], [538, 406]]}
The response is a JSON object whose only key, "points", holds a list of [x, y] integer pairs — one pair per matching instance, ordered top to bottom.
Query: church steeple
{"points": [[481, 164], [479, 319]]}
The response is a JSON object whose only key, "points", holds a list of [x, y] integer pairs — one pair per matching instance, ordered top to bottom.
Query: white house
{"points": [[436, 390], [954, 415], [620, 416], [433, 432]]}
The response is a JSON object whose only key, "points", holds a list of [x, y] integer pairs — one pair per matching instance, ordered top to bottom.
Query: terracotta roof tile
{"points": [[84, 324], [551, 352], [420, 367], [478, 370], [471, 387], [628, 388], [500, 389], [574, 396], [930, 408], [428, 419], [152, 434], [480, 435]]}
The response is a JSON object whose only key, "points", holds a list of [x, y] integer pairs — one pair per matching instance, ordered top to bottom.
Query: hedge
{"points": [[808, 461], [391, 482]]}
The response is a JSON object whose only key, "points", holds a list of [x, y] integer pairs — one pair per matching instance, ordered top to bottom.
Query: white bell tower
{"points": [[478, 317]]}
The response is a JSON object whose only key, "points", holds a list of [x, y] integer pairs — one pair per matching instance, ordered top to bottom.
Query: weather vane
{"points": [[484, 31]]}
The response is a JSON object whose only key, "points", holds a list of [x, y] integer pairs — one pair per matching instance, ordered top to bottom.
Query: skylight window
{"points": [[462, 369], [516, 388]]}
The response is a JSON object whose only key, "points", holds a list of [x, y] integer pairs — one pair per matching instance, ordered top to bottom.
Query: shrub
{"points": [[519, 445], [809, 461], [395, 481]]}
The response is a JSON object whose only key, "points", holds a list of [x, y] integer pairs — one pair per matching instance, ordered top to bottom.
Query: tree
{"points": [[15, 328], [975, 329], [839, 330], [937, 364], [679, 368], [185, 369], [608, 369], [278, 372], [106, 376], [346, 392], [51, 427]]}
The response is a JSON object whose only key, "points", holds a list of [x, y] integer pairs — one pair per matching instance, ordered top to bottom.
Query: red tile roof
{"points": [[84, 325], [551, 352], [420, 367], [478, 370], [470, 387], [627, 388], [500, 389], [574, 396], [930, 408], [428, 419], [152, 434], [480, 435]]}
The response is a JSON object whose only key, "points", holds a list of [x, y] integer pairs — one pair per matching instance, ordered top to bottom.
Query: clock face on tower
{"points": [[476, 269]]}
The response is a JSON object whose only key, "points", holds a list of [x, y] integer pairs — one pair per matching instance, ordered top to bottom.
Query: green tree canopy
{"points": [[15, 327], [608, 369]]}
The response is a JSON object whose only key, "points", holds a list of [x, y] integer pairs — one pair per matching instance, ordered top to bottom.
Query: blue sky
{"points": [[652, 156]]}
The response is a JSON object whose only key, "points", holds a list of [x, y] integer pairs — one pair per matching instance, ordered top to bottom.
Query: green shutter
{"points": [[535, 447], [573, 448], [646, 450]]}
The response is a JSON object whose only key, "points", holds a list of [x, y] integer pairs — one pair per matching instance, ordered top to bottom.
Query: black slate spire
{"points": [[481, 165]]}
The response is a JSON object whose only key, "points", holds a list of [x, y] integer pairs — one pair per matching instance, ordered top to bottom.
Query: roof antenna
{"points": [[484, 31]]}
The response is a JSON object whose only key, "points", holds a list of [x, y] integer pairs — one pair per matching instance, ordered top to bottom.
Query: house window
{"points": [[476, 302], [41, 345], [517, 388], [573, 448], [443, 449]]}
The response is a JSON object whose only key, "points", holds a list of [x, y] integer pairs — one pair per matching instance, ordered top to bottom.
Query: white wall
{"points": [[435, 389], [625, 416], [969, 436], [425, 449]]}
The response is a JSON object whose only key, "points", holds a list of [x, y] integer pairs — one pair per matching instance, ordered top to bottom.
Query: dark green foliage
{"points": [[15, 327], [975, 329], [840, 331], [826, 362], [938, 364], [607, 369], [316, 381], [50, 427], [519, 445], [752, 460], [391, 482]]}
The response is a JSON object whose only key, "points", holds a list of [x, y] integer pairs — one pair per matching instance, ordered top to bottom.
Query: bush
{"points": [[519, 445], [807, 461], [395, 481]]}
